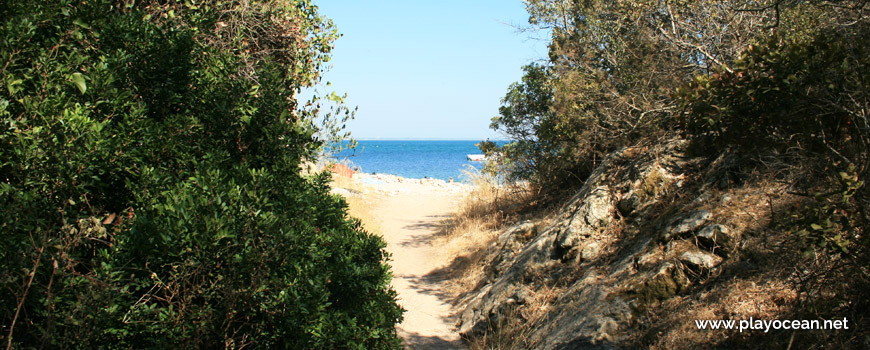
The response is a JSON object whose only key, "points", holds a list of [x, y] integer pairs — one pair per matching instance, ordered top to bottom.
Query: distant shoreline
{"points": [[414, 139], [413, 158]]}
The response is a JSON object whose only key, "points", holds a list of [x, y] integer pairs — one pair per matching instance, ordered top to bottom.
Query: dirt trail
{"points": [[409, 222]]}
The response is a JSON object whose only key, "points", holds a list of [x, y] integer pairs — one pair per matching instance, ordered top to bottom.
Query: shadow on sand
{"points": [[429, 284], [417, 341]]}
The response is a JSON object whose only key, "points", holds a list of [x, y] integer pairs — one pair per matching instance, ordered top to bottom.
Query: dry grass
{"points": [[481, 216], [469, 233], [469, 242], [761, 281], [516, 327]]}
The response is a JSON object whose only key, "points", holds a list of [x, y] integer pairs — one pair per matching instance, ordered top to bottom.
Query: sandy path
{"points": [[409, 221]]}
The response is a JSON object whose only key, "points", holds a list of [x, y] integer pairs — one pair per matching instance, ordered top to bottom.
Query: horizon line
{"points": [[426, 139]]}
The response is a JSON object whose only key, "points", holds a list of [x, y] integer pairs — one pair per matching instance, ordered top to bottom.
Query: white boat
{"points": [[476, 157]]}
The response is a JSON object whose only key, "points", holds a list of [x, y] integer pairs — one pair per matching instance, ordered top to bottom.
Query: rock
{"points": [[723, 183], [340, 191], [703, 198], [628, 203], [598, 207], [594, 213], [687, 224], [520, 232], [713, 236], [589, 251], [699, 260], [666, 282], [521, 295], [493, 305], [472, 321], [472, 324], [607, 327]]}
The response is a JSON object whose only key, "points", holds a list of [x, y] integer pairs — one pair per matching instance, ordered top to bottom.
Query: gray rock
{"points": [[722, 183], [340, 191], [703, 198], [599, 208], [595, 212], [687, 224], [525, 229], [713, 235], [700, 260], [521, 295], [472, 320], [472, 324]]}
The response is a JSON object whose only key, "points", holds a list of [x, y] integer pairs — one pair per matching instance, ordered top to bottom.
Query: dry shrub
{"points": [[481, 215], [469, 236], [515, 328]]}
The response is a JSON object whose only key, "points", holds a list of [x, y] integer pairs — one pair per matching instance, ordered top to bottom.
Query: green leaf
{"points": [[80, 23], [79, 80], [13, 86]]}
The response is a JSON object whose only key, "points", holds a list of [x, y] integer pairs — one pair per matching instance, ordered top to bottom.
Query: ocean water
{"points": [[414, 158]]}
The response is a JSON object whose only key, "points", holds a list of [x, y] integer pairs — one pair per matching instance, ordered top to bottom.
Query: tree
{"points": [[613, 69], [150, 194]]}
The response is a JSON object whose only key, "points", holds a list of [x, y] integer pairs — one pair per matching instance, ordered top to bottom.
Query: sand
{"points": [[410, 212]]}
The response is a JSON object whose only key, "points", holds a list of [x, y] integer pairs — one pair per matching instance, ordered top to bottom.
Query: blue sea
{"points": [[414, 158]]}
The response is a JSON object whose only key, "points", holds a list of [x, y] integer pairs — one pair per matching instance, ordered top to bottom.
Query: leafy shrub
{"points": [[613, 66], [799, 93], [803, 94], [526, 116], [150, 194]]}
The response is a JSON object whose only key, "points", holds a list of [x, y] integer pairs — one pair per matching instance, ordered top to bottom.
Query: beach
{"points": [[409, 214]]}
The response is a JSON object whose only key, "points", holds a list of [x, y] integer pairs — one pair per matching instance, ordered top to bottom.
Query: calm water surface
{"points": [[414, 158]]}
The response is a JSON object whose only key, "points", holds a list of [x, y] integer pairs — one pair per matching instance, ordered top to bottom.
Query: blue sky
{"points": [[425, 69]]}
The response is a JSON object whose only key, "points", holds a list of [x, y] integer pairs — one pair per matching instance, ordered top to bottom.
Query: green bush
{"points": [[613, 66], [801, 93], [805, 94], [526, 116], [150, 194]]}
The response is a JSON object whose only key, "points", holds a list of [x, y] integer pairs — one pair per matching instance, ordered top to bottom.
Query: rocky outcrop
{"points": [[686, 224], [579, 282]]}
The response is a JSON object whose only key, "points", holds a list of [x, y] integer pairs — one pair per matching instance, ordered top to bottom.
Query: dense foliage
{"points": [[613, 68], [150, 192]]}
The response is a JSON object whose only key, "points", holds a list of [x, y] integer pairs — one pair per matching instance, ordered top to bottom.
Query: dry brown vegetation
{"points": [[359, 205], [481, 216], [766, 272], [769, 277]]}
